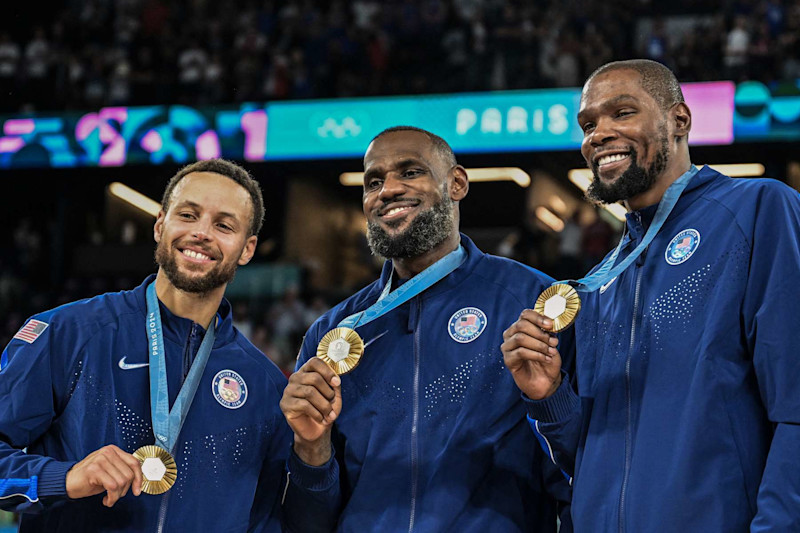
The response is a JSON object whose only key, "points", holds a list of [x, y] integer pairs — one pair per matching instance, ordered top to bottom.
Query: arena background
{"points": [[100, 92]]}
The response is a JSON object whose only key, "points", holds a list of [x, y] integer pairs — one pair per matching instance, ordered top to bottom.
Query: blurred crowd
{"points": [[133, 52]]}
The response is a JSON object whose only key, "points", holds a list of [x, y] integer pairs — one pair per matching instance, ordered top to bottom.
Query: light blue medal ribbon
{"points": [[605, 273], [392, 299], [560, 302], [167, 422]]}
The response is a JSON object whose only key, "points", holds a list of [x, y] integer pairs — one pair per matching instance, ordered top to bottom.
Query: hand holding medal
{"points": [[529, 347]]}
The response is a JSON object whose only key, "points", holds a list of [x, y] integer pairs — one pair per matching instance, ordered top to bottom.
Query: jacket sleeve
{"points": [[772, 327], [556, 421], [28, 482], [312, 495]]}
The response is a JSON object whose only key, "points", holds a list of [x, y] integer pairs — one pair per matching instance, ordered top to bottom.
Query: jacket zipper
{"points": [[415, 421], [628, 436], [162, 513]]}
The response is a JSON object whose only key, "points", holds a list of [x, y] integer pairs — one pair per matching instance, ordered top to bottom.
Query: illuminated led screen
{"points": [[509, 121]]}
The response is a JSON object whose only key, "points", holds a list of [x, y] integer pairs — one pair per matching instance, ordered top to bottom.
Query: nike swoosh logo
{"points": [[607, 285], [373, 339], [130, 366]]}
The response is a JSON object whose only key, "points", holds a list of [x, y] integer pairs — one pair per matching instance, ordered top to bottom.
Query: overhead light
{"points": [[739, 170], [517, 175], [135, 198], [558, 205], [549, 218]]}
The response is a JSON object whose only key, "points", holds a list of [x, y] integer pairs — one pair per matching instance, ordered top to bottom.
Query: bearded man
{"points": [[151, 390], [686, 415], [425, 431]]}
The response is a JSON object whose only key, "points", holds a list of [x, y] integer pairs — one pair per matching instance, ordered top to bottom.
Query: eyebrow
{"points": [[610, 103], [405, 163], [189, 203]]}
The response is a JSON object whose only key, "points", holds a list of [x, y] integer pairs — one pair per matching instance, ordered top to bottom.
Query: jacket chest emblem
{"points": [[682, 246], [467, 324], [229, 389]]}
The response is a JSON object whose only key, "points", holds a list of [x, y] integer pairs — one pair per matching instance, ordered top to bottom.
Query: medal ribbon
{"points": [[605, 273], [416, 285], [167, 423]]}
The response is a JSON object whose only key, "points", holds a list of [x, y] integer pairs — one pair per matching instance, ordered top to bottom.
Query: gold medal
{"points": [[560, 303], [341, 349], [159, 470]]}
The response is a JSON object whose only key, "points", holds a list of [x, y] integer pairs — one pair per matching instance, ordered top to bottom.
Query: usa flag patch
{"points": [[31, 331]]}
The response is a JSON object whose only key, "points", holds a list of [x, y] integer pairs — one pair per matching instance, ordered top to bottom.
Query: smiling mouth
{"points": [[611, 158], [197, 256]]}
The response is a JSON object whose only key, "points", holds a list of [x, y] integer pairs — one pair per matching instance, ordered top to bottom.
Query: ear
{"points": [[681, 117], [459, 185], [158, 226], [248, 250]]}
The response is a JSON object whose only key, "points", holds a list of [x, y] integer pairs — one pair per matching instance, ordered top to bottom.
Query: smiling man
{"points": [[687, 367], [158, 376], [427, 432]]}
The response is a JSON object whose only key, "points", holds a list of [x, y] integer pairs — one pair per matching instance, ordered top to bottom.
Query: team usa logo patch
{"points": [[682, 246], [467, 324], [31, 331], [229, 389]]}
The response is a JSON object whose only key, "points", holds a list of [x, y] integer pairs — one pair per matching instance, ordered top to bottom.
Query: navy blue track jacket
{"points": [[688, 368], [76, 379], [432, 434]]}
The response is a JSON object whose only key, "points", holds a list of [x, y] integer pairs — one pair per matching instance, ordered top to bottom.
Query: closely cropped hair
{"points": [[656, 79], [439, 144], [229, 170]]}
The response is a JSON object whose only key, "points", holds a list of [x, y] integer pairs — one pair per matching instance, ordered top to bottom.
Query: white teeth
{"points": [[611, 158], [395, 210], [195, 255]]}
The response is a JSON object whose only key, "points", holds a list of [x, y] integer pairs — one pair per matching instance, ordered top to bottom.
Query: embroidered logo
{"points": [[682, 246], [605, 286], [467, 324], [31, 331], [130, 366], [229, 389]]}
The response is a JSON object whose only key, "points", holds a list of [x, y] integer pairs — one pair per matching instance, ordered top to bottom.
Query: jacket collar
{"points": [[638, 221], [177, 328]]}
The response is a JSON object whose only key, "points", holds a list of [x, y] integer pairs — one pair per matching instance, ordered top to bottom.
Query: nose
{"points": [[603, 132], [392, 187], [202, 229]]}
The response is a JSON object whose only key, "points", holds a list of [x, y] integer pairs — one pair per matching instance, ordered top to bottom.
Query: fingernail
{"points": [[547, 323], [551, 351], [336, 381]]}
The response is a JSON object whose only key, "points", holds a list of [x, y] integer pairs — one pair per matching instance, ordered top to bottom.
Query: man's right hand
{"points": [[529, 351], [311, 402], [108, 470]]}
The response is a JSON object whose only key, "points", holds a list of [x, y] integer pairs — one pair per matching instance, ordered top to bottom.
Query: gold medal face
{"points": [[560, 303], [341, 349], [159, 470]]}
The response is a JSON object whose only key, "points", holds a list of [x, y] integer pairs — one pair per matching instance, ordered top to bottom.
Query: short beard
{"points": [[633, 182], [428, 230], [219, 275]]}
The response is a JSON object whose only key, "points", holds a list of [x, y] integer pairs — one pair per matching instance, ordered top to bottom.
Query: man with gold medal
{"points": [[151, 390], [400, 403], [686, 415]]}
